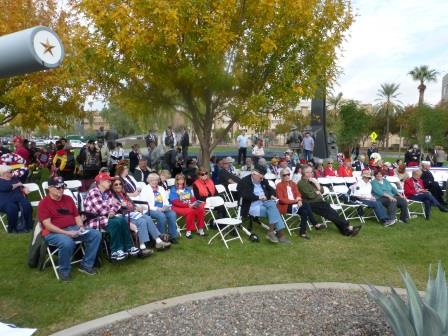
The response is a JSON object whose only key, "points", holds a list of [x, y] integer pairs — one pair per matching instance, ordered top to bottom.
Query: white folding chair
{"points": [[356, 173], [270, 176], [336, 180], [350, 180], [45, 187], [34, 188], [233, 189], [228, 199], [415, 208], [349, 211], [3, 221], [225, 225], [52, 252]]}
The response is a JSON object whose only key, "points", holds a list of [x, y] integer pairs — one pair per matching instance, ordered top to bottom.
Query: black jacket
{"points": [[224, 176], [246, 190]]}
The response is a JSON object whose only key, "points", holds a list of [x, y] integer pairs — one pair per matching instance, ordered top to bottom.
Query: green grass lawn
{"points": [[36, 299]]}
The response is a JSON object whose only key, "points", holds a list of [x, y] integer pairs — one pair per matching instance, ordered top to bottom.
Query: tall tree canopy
{"points": [[208, 59], [423, 74], [54, 97], [389, 105]]}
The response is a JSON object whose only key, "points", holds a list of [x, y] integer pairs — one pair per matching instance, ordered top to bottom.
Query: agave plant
{"points": [[419, 317]]}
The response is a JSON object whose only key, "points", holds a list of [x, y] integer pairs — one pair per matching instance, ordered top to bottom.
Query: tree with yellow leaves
{"points": [[235, 59], [54, 97]]}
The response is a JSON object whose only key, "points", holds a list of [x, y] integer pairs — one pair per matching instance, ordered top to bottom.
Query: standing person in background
{"points": [[100, 134], [111, 137], [151, 137], [169, 138], [294, 139], [242, 141], [185, 143], [308, 146], [21, 149], [372, 149], [258, 151], [105, 154], [116, 155], [155, 155], [412, 156], [440, 156], [134, 157], [90, 159], [141, 172]]}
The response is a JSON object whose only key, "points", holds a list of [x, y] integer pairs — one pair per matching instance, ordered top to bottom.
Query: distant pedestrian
{"points": [[151, 137], [242, 142], [185, 143], [308, 146]]}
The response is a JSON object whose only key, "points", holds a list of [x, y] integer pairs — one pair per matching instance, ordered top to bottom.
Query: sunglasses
{"points": [[203, 174], [286, 174], [117, 184]]}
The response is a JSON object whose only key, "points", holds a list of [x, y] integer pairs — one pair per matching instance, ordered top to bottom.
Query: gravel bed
{"points": [[290, 312]]}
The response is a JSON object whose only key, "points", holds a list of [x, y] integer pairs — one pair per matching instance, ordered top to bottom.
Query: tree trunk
{"points": [[421, 93], [387, 127]]}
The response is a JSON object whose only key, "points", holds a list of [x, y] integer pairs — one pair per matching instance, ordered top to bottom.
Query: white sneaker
{"points": [[390, 222], [162, 245], [133, 251], [118, 255]]}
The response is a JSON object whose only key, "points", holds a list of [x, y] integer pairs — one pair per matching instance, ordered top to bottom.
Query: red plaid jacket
{"points": [[100, 204]]}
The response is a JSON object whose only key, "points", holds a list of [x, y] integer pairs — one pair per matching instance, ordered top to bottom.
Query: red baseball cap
{"points": [[103, 176]]}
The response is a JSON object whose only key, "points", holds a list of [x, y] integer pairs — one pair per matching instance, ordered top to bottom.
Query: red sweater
{"points": [[329, 171], [345, 172], [409, 187], [282, 194]]}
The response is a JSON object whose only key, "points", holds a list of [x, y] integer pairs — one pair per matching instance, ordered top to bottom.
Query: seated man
{"points": [[359, 164], [142, 171], [225, 175], [430, 184], [414, 190], [311, 192], [362, 192], [389, 196], [258, 200], [104, 210], [62, 226]]}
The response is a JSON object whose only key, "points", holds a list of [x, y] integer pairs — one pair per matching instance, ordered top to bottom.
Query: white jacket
{"points": [[147, 195]]}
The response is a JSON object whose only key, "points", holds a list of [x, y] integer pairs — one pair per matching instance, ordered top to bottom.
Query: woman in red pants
{"points": [[185, 204]]}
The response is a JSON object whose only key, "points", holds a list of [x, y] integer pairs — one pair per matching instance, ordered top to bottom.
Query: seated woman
{"points": [[297, 174], [164, 176], [128, 181], [204, 187], [389, 196], [13, 200], [290, 201], [185, 204], [159, 207], [103, 208], [140, 223]]}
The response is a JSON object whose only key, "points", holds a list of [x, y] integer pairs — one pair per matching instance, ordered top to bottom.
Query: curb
{"points": [[92, 325]]}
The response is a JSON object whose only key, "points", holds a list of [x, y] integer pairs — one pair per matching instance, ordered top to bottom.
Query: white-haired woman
{"points": [[13, 200], [159, 206]]}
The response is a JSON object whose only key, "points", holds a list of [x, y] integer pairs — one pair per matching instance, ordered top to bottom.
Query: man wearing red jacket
{"points": [[414, 190]]}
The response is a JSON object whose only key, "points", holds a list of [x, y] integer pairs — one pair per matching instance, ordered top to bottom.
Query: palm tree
{"points": [[422, 74], [334, 102], [389, 104]]}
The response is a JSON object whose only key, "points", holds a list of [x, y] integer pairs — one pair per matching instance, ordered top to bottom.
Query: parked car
{"points": [[77, 143]]}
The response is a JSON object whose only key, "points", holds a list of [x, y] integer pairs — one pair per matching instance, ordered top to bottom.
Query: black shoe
{"points": [[443, 209], [360, 211], [320, 226], [355, 231], [304, 236], [174, 241], [88, 271], [64, 277]]}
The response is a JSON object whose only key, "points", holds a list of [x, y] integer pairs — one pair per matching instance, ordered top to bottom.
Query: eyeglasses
{"points": [[203, 174], [286, 174], [117, 184]]}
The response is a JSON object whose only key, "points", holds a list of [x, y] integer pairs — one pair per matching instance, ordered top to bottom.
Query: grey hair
{"points": [[4, 168], [152, 176]]}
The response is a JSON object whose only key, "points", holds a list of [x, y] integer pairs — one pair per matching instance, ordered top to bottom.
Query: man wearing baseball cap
{"points": [[362, 192], [259, 200], [104, 208], [62, 226]]}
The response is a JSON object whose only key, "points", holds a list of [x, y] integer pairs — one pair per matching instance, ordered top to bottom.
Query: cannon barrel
{"points": [[34, 49]]}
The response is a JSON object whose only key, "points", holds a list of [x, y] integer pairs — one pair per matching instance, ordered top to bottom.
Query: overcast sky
{"points": [[387, 40]]}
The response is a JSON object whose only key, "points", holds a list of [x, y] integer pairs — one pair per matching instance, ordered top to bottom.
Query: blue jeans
{"points": [[308, 154], [428, 200], [378, 208], [269, 209], [12, 214], [163, 219], [146, 228], [66, 246]]}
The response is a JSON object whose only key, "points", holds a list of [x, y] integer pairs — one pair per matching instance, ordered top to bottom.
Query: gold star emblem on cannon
{"points": [[48, 47]]}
